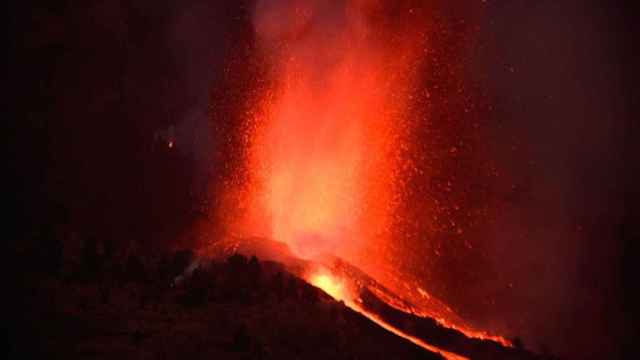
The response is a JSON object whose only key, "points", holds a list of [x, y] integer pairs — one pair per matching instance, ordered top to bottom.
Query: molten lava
{"points": [[325, 144], [325, 165], [330, 285], [336, 288], [446, 354]]}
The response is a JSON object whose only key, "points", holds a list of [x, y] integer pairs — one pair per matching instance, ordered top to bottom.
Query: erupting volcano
{"points": [[326, 162], [321, 179]]}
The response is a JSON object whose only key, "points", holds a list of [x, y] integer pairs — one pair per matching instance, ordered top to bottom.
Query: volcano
{"points": [[416, 179], [347, 283]]}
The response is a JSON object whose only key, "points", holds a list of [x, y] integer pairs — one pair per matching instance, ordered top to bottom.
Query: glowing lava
{"points": [[324, 148], [325, 171], [330, 285], [336, 288], [446, 354]]}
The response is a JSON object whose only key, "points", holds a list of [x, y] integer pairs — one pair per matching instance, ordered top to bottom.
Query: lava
{"points": [[324, 151], [325, 160], [330, 285], [336, 288], [364, 294], [426, 306], [413, 339]]}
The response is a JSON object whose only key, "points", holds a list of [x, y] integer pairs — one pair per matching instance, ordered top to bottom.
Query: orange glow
{"points": [[326, 142], [324, 146], [330, 285], [336, 288], [443, 315], [398, 332]]}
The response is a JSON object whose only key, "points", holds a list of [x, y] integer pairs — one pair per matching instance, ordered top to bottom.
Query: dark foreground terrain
{"points": [[238, 309]]}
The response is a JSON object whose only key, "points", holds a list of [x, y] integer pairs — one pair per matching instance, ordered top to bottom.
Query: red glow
{"points": [[326, 145], [323, 157], [330, 285], [338, 290], [413, 339]]}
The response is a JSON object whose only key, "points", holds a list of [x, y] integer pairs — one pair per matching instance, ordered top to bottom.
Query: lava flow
{"points": [[325, 170], [337, 289], [373, 300]]}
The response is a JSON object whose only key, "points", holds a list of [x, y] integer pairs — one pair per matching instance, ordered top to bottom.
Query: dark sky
{"points": [[558, 72], [92, 84]]}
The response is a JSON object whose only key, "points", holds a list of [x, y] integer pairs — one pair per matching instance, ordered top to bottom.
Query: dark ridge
{"points": [[241, 308]]}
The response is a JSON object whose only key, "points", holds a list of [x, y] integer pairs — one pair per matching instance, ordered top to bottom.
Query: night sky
{"points": [[95, 89]]}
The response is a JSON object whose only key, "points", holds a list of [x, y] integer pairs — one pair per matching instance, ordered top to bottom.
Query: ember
{"points": [[327, 140], [323, 156], [321, 179]]}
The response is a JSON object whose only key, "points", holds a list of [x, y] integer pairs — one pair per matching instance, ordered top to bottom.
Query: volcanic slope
{"points": [[360, 292], [239, 308]]}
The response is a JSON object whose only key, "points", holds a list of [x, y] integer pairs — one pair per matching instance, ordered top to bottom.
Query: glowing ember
{"points": [[324, 159]]}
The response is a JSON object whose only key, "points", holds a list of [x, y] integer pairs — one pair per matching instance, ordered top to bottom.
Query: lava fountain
{"points": [[326, 141], [324, 156]]}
